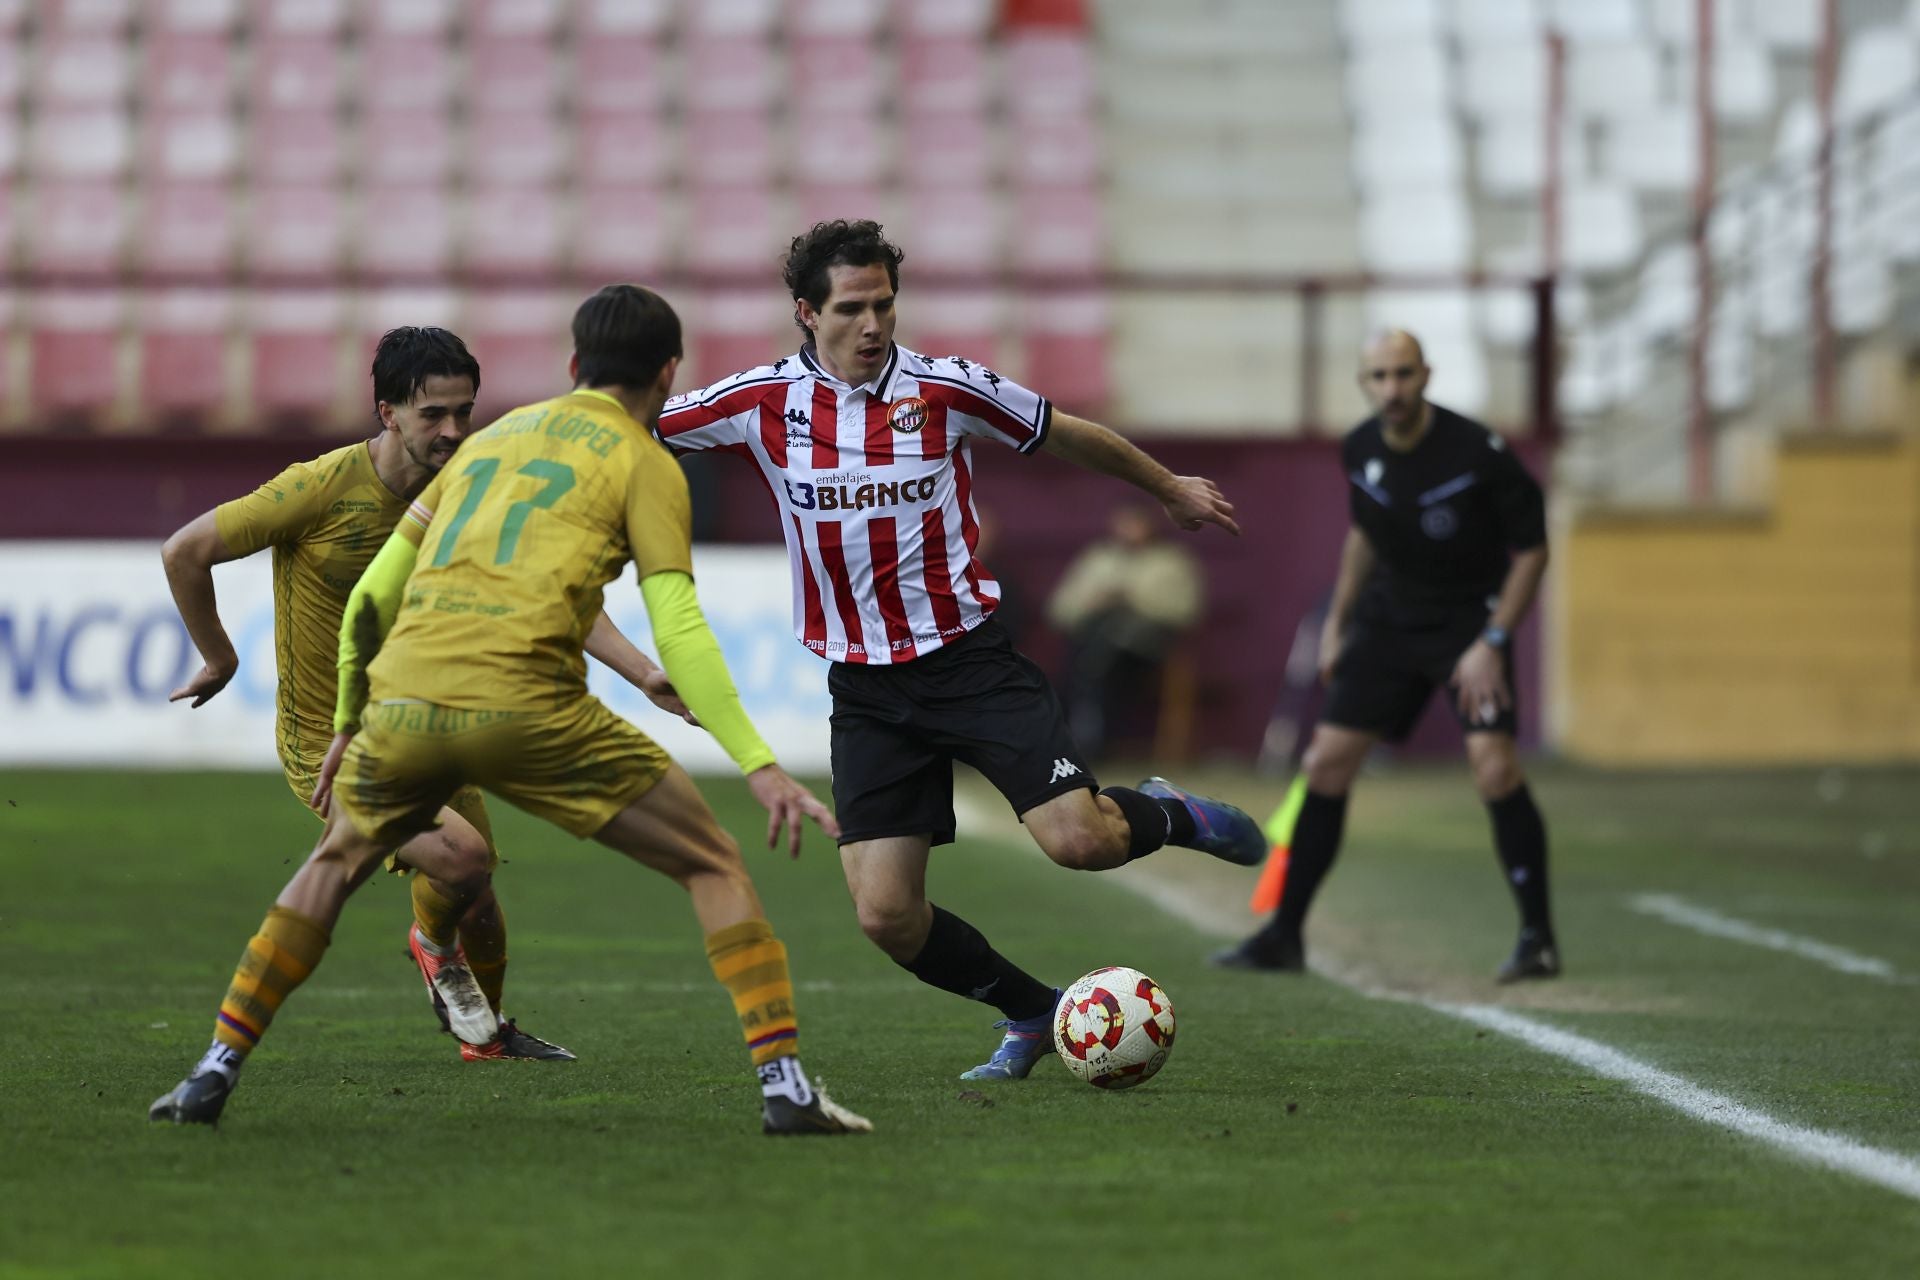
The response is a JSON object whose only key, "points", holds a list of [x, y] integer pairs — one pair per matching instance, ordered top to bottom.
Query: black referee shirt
{"points": [[1442, 518]]}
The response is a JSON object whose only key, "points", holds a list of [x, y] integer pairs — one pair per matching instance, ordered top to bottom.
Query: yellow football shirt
{"points": [[325, 520], [528, 524]]}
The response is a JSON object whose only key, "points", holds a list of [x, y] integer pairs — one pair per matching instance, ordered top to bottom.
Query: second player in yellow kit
{"points": [[479, 678]]}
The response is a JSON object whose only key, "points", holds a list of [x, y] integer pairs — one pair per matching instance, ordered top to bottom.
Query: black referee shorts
{"points": [[1384, 676], [898, 729]]}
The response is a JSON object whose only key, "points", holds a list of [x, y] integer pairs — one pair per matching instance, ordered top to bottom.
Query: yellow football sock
{"points": [[437, 915], [483, 934], [277, 959], [752, 965]]}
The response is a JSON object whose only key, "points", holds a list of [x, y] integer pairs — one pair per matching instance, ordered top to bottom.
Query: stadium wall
{"points": [[1776, 636]]}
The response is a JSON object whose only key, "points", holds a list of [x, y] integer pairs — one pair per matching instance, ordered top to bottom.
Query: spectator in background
{"points": [[1124, 602]]}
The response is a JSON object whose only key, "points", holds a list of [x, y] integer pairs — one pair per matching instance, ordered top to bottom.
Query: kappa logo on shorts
{"points": [[908, 415], [1063, 768]]}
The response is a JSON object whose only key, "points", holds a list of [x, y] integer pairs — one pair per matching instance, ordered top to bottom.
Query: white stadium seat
{"points": [[1585, 20], [1388, 21], [1496, 21], [1786, 24], [1880, 67], [1612, 77], [1398, 78], [1508, 79], [1416, 150], [1658, 150], [1416, 229], [1602, 231]]}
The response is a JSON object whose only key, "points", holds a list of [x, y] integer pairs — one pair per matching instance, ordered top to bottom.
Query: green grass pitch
{"points": [[1301, 1129]]}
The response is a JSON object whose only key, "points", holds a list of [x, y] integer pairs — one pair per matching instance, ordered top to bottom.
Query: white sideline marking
{"points": [[1679, 911], [1889, 1169]]}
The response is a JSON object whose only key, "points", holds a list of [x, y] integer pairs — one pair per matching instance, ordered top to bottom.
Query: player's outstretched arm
{"points": [[1191, 501], [188, 557], [611, 646], [692, 659]]}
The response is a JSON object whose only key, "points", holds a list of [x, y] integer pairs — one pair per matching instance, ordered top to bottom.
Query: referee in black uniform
{"points": [[1445, 554]]}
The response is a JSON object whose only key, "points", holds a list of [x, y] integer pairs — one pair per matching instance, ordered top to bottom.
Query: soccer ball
{"points": [[1114, 1028]]}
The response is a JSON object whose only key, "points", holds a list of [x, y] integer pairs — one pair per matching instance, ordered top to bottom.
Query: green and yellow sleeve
{"points": [[372, 606], [691, 657]]}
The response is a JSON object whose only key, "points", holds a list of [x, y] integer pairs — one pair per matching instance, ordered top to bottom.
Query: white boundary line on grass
{"points": [[1678, 911], [1889, 1169]]}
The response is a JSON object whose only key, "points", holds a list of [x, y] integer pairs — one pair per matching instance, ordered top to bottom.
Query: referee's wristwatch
{"points": [[1496, 636]]}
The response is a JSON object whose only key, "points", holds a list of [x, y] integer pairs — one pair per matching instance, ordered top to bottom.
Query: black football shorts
{"points": [[1385, 675], [898, 729]]}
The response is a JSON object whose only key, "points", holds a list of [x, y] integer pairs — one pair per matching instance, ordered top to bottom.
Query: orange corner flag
{"points": [[1279, 829]]}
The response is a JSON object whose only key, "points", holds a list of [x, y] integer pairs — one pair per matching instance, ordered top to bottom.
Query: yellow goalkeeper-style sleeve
{"points": [[371, 608], [691, 657]]}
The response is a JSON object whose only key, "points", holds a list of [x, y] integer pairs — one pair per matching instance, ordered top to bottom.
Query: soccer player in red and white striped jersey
{"points": [[866, 448]]}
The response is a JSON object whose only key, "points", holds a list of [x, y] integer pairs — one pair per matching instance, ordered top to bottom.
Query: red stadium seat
{"points": [[12, 13], [96, 17], [211, 17], [301, 17], [518, 17], [733, 17], [389, 18], [860, 18], [970, 18], [598, 19], [841, 70], [81, 71], [190, 72], [406, 72], [13, 73], [295, 73], [513, 73], [618, 73], [1050, 73], [729, 74], [943, 75], [88, 143], [11, 146], [187, 146], [289, 146], [405, 147], [841, 147], [623, 148], [514, 149], [729, 149], [947, 149], [1057, 151], [822, 202], [76, 228], [188, 228], [404, 229], [732, 229], [295, 230], [954, 230], [1060, 230], [513, 231], [623, 231], [954, 322], [737, 330], [1068, 338], [520, 339], [295, 351], [183, 352], [74, 354]]}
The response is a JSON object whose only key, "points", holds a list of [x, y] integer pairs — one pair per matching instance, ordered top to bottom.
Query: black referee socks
{"points": [[1151, 821], [1520, 837], [1316, 841], [958, 958]]}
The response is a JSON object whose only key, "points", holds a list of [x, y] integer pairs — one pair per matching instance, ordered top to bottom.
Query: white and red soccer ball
{"points": [[1114, 1028]]}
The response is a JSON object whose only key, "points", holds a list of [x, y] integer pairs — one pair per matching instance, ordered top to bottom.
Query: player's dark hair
{"points": [[839, 243], [624, 335], [409, 355]]}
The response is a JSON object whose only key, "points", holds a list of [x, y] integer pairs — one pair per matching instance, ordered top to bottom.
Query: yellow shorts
{"points": [[576, 767], [302, 769]]}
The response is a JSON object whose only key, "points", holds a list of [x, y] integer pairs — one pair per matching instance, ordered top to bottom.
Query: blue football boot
{"points": [[1218, 827], [1026, 1042]]}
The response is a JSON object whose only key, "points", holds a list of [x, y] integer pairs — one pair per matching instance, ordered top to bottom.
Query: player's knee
{"points": [[1330, 770], [1497, 774], [1081, 848], [468, 860], [895, 926]]}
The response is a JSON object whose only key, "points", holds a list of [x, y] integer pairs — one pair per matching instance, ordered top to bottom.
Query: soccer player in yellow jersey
{"points": [[325, 519], [479, 679]]}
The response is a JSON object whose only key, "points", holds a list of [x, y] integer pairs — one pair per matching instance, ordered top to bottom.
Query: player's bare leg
{"points": [[1332, 762], [671, 830], [1088, 832], [1520, 838], [888, 881], [284, 953]]}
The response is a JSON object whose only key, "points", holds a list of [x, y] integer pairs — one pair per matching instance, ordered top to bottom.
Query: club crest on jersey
{"points": [[908, 415], [1439, 522]]}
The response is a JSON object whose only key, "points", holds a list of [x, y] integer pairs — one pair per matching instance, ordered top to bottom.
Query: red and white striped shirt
{"points": [[875, 486]]}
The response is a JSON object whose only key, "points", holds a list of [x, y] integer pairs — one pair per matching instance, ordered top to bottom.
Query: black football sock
{"points": [[1151, 820], [1520, 838], [1316, 841], [959, 959]]}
